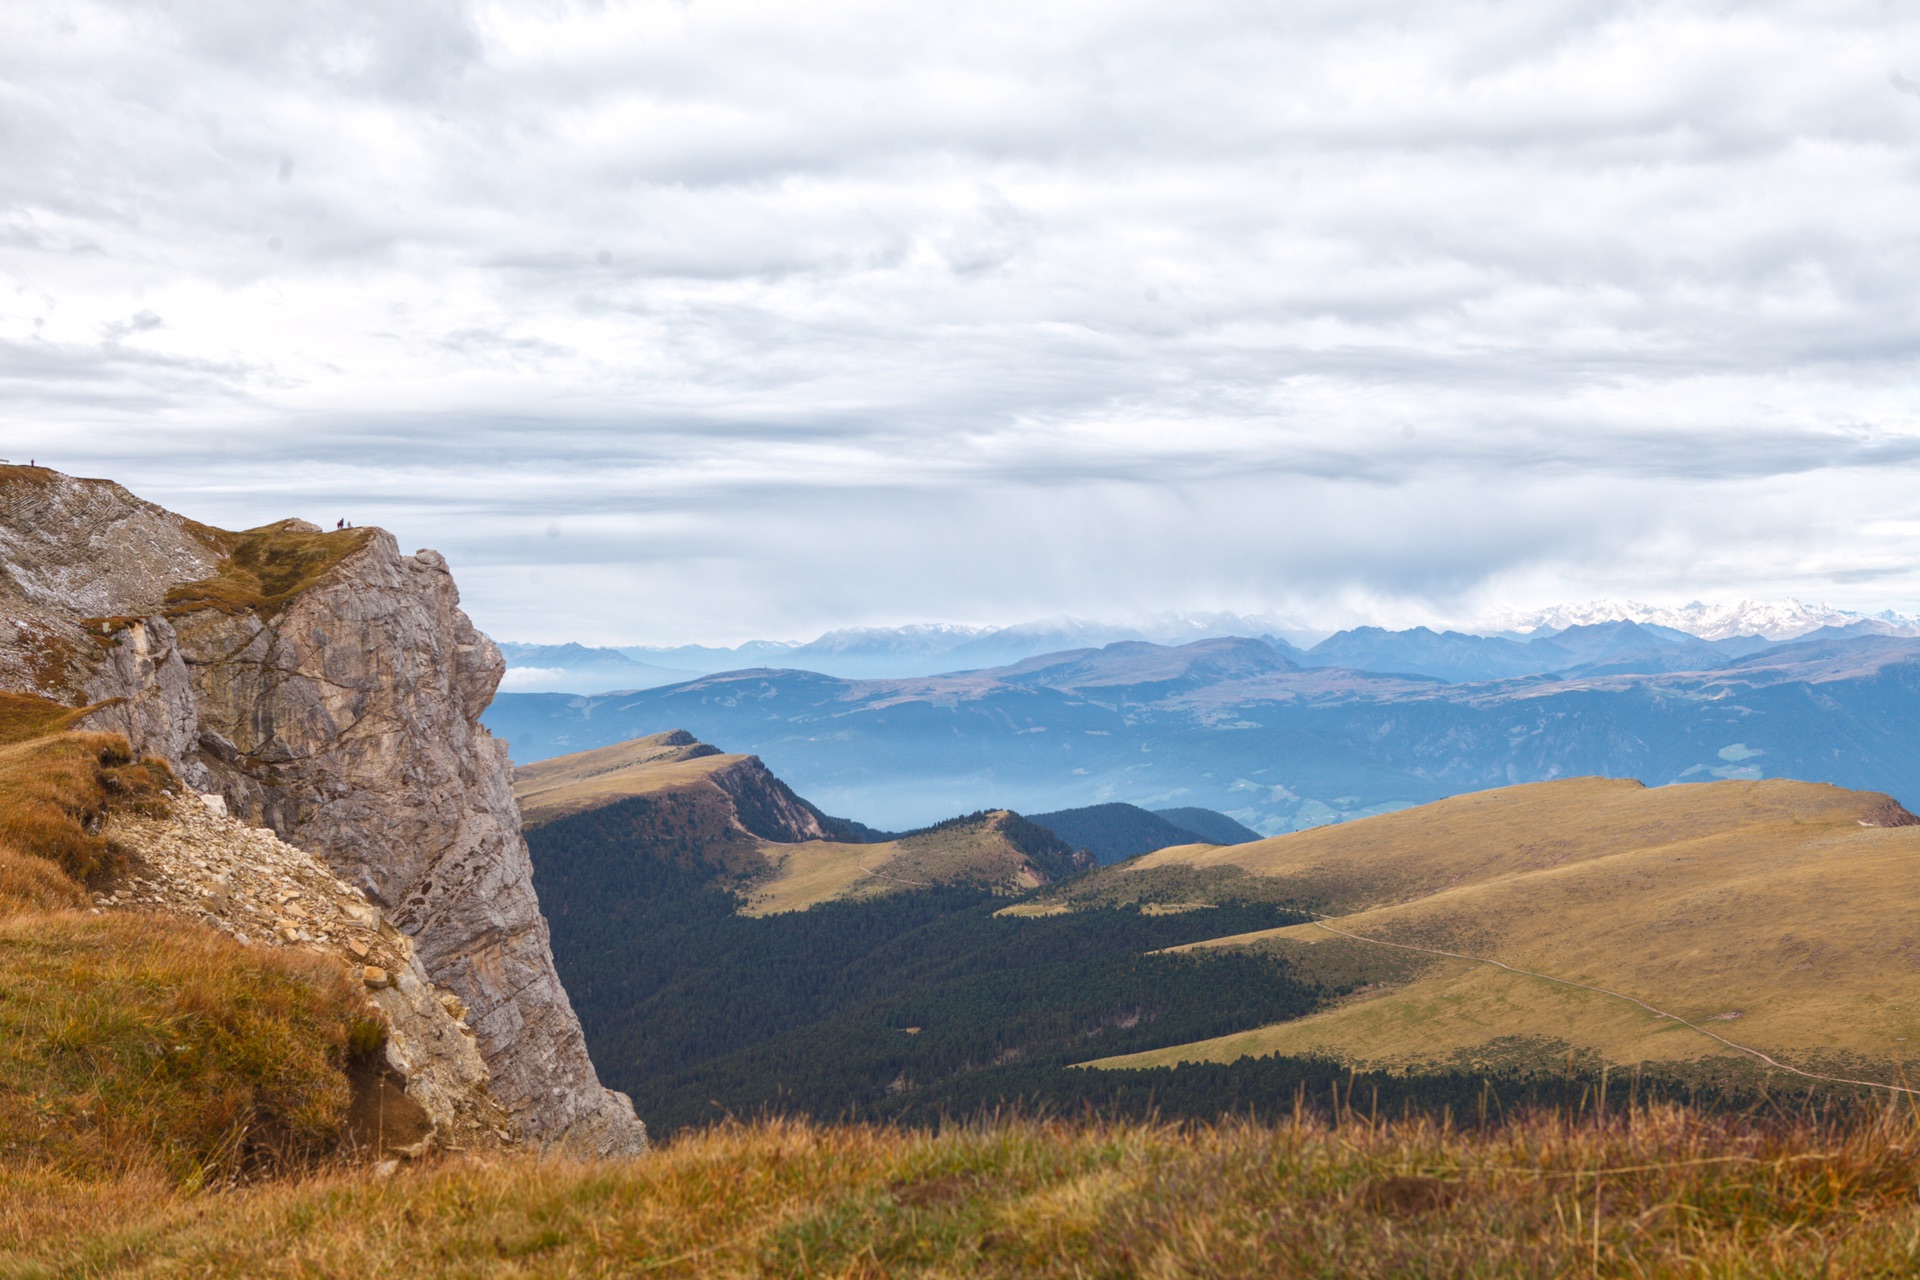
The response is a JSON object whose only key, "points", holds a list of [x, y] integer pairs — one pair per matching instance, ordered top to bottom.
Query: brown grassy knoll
{"points": [[24, 716], [661, 762], [1538, 826], [805, 875], [1768, 912], [135, 1043], [1633, 1193]]}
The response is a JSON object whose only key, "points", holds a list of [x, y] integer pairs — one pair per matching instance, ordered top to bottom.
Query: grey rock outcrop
{"points": [[341, 712]]}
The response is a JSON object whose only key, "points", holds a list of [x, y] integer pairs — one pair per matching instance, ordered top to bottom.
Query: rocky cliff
{"points": [[328, 688]]}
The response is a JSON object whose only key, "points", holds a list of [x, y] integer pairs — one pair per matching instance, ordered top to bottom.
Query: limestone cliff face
{"points": [[329, 687], [348, 722], [766, 806]]}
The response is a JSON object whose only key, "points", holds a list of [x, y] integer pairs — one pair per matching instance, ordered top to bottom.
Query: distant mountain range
{"points": [[1777, 620], [923, 649], [1499, 650], [575, 668], [1279, 738], [1115, 832]]}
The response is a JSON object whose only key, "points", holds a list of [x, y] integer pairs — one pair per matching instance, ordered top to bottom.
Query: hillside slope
{"points": [[673, 798], [1210, 825], [1635, 925], [220, 1008]]}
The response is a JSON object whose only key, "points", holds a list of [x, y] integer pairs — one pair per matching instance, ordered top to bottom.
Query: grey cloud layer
{"points": [[864, 313]]}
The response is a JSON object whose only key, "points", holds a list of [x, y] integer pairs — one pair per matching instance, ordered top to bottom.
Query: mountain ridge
{"points": [[670, 797]]}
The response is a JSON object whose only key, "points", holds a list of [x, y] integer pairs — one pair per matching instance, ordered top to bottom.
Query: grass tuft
{"points": [[25, 715], [55, 792]]}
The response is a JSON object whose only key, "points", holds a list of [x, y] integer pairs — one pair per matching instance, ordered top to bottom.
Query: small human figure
{"points": [[339, 524]]}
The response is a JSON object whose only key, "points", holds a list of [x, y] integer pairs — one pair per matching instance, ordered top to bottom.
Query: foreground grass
{"points": [[139, 1042], [135, 1043], [1665, 1192]]}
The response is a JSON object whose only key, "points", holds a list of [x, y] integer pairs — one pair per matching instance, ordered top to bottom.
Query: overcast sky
{"points": [[692, 321]]}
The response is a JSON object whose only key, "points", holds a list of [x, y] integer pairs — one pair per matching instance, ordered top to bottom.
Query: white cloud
{"points": [[854, 313]]}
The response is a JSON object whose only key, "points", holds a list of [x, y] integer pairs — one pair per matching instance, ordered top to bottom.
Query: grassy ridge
{"points": [[661, 762], [670, 796], [1767, 913], [1652, 1192]]}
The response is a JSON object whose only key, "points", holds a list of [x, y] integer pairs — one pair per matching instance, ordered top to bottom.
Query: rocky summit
{"points": [[326, 689]]}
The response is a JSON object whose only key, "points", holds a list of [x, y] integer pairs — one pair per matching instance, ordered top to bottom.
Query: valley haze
{"points": [[1276, 736]]}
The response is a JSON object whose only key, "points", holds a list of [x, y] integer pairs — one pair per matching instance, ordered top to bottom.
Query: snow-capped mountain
{"points": [[1776, 620], [916, 639]]}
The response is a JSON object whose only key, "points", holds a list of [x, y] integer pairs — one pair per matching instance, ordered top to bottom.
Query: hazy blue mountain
{"points": [[1857, 630], [1617, 635], [1629, 647], [883, 652], [896, 652], [1448, 655], [1458, 657], [705, 659], [574, 668], [1237, 726], [1209, 825], [1114, 832]]}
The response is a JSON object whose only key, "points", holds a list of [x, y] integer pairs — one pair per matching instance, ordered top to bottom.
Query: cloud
{"points": [[860, 313], [138, 323]]}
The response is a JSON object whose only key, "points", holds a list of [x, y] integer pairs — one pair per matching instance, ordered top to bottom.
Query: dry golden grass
{"points": [[26, 715], [661, 762], [54, 790], [1491, 834], [805, 875], [1763, 911], [133, 1042], [137, 1043], [1641, 1194]]}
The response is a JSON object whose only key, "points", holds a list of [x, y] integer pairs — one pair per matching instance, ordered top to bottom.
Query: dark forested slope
{"points": [[1114, 832], [852, 1007]]}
